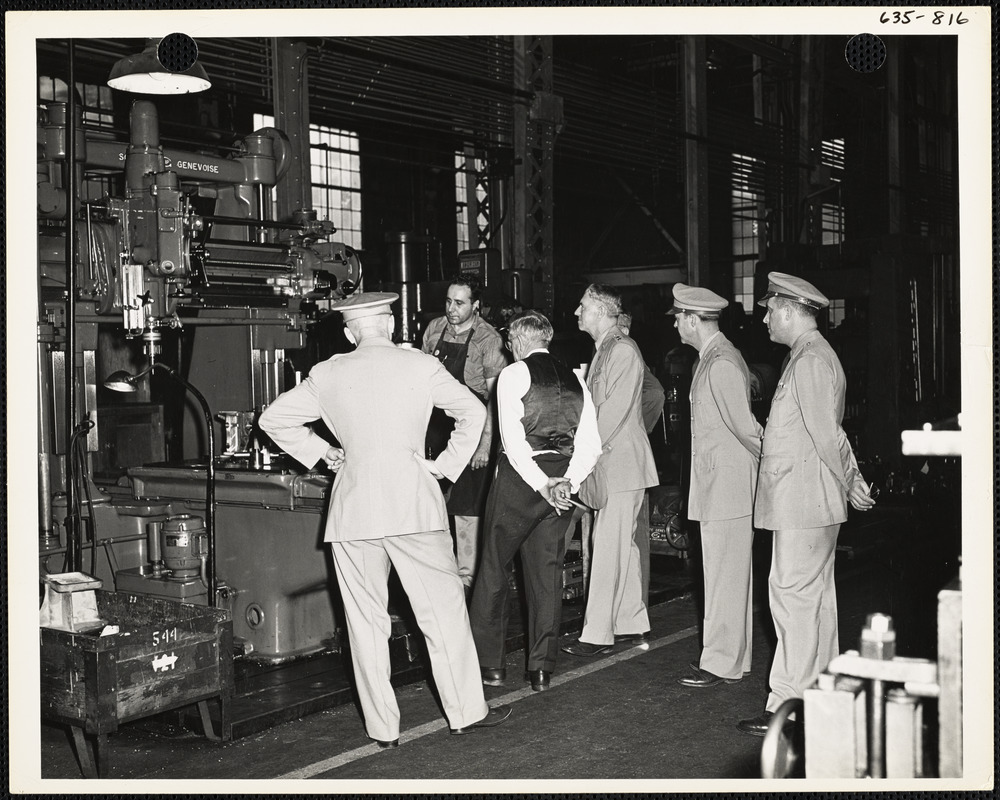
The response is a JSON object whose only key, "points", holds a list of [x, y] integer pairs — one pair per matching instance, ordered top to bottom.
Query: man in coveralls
{"points": [[472, 351]]}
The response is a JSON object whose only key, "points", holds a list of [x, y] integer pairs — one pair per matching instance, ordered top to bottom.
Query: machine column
{"points": [[291, 115], [696, 160]]}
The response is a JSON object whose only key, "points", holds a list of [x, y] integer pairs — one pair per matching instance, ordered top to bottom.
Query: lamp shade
{"points": [[151, 72], [121, 381]]}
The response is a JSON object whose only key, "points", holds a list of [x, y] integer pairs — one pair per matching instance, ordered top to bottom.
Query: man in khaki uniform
{"points": [[725, 452], [808, 475], [386, 508], [619, 567]]}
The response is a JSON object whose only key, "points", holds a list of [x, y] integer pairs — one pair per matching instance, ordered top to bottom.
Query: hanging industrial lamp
{"points": [[165, 66]]}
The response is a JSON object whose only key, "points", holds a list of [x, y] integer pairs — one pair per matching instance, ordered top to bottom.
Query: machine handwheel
{"points": [[677, 537], [782, 754]]}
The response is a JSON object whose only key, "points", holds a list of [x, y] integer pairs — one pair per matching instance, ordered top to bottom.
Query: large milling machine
{"points": [[185, 263]]}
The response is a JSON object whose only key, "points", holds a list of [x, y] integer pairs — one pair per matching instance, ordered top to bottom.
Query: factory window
{"points": [[95, 101], [95, 108], [335, 173], [336, 180], [746, 201], [461, 203], [831, 209], [471, 211], [836, 313]]}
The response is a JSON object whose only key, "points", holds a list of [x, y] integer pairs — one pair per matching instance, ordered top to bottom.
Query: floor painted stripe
{"points": [[328, 764]]}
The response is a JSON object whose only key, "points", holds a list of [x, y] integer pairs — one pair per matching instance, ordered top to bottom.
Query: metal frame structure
{"points": [[535, 131]]}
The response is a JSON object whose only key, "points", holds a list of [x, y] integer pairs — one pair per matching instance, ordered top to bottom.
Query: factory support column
{"points": [[291, 115], [810, 124], [535, 131], [893, 153], [696, 160]]}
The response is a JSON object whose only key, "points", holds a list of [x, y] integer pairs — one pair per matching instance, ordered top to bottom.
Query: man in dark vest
{"points": [[548, 429]]}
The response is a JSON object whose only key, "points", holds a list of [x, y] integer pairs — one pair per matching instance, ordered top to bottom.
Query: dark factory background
{"points": [[637, 161], [539, 164]]}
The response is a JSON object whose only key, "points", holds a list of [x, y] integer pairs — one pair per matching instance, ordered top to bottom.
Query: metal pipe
{"points": [[262, 198], [253, 223], [230, 262], [45, 427], [54, 551], [74, 556], [878, 642], [876, 729]]}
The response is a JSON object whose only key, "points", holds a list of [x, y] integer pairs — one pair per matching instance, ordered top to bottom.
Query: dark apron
{"points": [[468, 494]]}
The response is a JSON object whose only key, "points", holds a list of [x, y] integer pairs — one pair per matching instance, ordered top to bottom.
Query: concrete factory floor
{"points": [[619, 716]]}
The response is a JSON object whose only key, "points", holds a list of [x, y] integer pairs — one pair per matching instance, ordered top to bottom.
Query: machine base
{"points": [[141, 580]]}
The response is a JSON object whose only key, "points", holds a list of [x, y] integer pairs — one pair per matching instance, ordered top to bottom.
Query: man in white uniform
{"points": [[386, 509]]}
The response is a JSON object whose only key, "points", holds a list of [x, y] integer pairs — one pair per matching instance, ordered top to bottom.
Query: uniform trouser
{"points": [[519, 518], [642, 540], [726, 548], [425, 565], [619, 568], [803, 599]]}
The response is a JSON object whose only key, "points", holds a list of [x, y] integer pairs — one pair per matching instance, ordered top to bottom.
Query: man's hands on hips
{"points": [[334, 458], [430, 466], [556, 494], [858, 497]]}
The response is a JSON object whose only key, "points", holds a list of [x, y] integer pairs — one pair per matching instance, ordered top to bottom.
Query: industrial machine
{"points": [[181, 259], [868, 714]]}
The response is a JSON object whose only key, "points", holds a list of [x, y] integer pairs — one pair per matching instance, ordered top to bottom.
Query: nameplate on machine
{"points": [[193, 166]]}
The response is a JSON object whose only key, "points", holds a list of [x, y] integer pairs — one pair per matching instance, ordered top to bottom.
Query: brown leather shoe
{"points": [[703, 679], [494, 717], [755, 726]]}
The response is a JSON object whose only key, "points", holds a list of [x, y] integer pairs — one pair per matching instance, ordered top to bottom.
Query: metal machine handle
{"points": [[782, 755]]}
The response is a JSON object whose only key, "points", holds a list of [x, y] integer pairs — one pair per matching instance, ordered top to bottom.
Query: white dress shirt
{"points": [[512, 386]]}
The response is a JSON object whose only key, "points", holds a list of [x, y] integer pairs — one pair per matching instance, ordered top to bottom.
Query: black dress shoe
{"points": [[632, 638], [586, 649], [493, 676], [539, 679], [703, 679], [494, 717], [756, 726], [386, 745]]}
